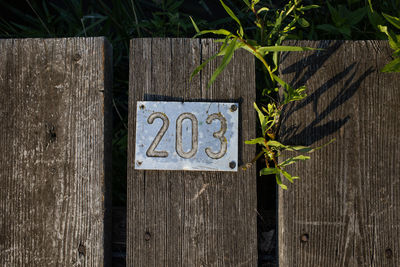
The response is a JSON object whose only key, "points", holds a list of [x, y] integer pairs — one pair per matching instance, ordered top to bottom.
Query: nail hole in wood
{"points": [[147, 236], [304, 238], [81, 250], [388, 253]]}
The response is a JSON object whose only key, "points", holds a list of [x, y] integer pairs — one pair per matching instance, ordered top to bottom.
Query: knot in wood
{"points": [[76, 57], [147, 236], [304, 238], [82, 250], [388, 253]]}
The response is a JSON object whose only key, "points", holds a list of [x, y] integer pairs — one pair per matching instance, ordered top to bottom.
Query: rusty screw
{"points": [[76, 57], [141, 106], [233, 108], [139, 163], [232, 164], [147, 236], [304, 238], [388, 253]]}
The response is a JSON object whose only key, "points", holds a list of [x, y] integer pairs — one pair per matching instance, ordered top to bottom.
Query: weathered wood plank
{"points": [[55, 143], [346, 207], [178, 218]]}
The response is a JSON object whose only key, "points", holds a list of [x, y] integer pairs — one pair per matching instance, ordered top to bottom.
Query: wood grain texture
{"points": [[55, 141], [346, 207], [183, 218]]}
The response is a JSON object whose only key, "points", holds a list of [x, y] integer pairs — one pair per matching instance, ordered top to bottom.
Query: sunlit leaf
{"points": [[304, 8], [262, 10], [233, 16], [393, 20], [303, 22], [194, 24], [218, 32], [393, 40], [282, 48], [227, 58], [201, 66], [392, 66], [262, 118], [259, 140], [276, 144], [294, 160], [268, 171], [287, 175], [279, 181]]}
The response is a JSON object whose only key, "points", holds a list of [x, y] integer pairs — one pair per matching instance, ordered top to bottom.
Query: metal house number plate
{"points": [[201, 136]]}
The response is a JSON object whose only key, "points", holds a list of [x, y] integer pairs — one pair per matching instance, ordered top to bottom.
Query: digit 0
{"points": [[195, 134]]}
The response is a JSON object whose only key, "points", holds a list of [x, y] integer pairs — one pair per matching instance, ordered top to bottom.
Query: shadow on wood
{"points": [[345, 209]]}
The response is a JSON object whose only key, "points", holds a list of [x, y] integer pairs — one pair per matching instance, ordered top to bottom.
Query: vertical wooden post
{"points": [[55, 132], [345, 209], [183, 218]]}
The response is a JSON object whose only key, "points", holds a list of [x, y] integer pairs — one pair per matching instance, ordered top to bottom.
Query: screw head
{"points": [[142, 106], [234, 108], [139, 162], [232, 164], [304, 238]]}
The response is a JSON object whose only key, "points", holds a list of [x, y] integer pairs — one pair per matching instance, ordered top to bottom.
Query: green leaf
{"points": [[247, 3], [304, 8], [262, 9], [357, 15], [233, 16], [336, 17], [374, 18], [393, 20], [303, 22], [194, 24], [328, 28], [218, 32], [394, 41], [281, 48], [227, 58], [201, 66], [392, 66], [262, 118], [259, 140], [276, 144], [301, 149], [307, 149], [294, 160], [268, 171], [287, 175], [279, 182]]}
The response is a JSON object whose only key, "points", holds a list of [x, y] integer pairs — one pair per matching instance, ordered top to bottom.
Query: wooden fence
{"points": [[55, 142], [345, 211], [178, 218]]}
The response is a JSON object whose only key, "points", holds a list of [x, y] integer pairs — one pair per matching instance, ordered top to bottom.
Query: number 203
{"points": [[152, 152]]}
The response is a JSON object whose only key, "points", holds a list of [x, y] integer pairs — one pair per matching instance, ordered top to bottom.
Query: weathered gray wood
{"points": [[55, 151], [345, 210], [178, 218]]}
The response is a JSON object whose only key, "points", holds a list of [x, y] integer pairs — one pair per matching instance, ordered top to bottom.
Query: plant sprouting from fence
{"points": [[377, 21], [266, 49]]}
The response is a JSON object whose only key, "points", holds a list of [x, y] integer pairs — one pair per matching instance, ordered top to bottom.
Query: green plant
{"points": [[344, 20], [266, 49]]}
